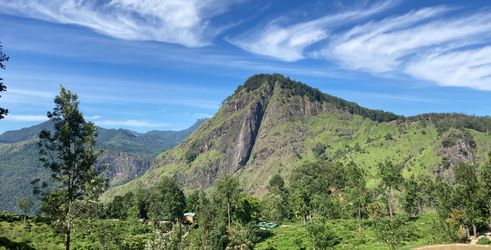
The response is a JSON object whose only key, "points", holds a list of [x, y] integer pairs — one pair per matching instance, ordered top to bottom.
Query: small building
{"points": [[189, 217], [266, 225]]}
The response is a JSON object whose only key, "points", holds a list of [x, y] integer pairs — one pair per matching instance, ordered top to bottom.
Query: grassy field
{"points": [[295, 236]]}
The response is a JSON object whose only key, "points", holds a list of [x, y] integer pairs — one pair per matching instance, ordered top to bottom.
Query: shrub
{"points": [[483, 240]]}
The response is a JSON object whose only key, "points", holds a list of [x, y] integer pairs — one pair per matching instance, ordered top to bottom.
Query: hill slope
{"points": [[271, 124], [127, 153]]}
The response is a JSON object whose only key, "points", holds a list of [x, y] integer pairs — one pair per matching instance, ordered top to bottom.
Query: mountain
{"points": [[271, 124], [127, 153]]}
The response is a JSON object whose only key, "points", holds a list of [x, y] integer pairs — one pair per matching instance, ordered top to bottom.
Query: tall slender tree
{"points": [[3, 59], [69, 152], [391, 179], [356, 189], [228, 191]]}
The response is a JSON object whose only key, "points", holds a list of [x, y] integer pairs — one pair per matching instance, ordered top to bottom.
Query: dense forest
{"points": [[326, 202]]}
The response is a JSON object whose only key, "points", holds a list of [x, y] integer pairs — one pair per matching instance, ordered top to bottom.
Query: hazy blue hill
{"points": [[24, 133], [128, 154]]}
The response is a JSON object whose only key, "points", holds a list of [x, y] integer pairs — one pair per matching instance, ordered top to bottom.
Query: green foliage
{"points": [[445, 121], [192, 153], [70, 155], [391, 179], [276, 182], [466, 185], [227, 195], [411, 197], [167, 201], [25, 205], [394, 231], [322, 237], [483, 240]]}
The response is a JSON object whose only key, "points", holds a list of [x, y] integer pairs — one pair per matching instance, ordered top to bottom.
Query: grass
{"points": [[291, 235]]}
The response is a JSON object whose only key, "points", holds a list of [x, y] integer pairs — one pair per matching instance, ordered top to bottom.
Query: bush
{"points": [[322, 237], [483, 240]]}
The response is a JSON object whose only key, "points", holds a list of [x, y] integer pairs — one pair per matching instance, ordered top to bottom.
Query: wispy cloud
{"points": [[184, 22], [288, 42], [431, 44], [462, 68], [26, 118], [131, 123]]}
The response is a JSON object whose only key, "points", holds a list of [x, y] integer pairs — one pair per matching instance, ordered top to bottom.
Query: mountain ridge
{"points": [[270, 124]]}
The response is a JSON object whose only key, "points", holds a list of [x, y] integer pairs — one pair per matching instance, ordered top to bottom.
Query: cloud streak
{"points": [[184, 22], [288, 42]]}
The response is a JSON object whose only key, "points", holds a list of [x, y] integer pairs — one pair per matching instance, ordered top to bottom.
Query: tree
{"points": [[3, 59], [69, 152], [391, 179], [276, 181], [485, 183], [313, 184], [356, 190], [228, 191], [467, 194], [411, 197], [168, 200], [275, 203], [25, 204], [393, 231], [322, 237]]}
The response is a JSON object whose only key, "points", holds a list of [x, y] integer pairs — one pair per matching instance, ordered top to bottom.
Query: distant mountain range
{"points": [[271, 124], [129, 154]]}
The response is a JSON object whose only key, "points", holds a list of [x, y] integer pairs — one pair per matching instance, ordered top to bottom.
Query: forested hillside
{"points": [[128, 154]]}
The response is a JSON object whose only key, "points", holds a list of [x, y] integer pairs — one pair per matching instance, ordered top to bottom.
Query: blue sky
{"points": [[152, 64]]}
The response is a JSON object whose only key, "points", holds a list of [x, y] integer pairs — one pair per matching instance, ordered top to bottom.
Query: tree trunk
{"points": [[389, 201], [228, 213], [359, 219], [474, 230], [67, 242]]}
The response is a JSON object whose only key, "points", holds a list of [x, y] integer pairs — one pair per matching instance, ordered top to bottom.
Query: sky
{"points": [[162, 64]]}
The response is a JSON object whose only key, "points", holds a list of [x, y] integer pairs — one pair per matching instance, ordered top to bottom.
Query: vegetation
{"points": [[70, 155]]}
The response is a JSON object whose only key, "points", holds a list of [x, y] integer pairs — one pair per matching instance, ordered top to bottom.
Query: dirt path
{"points": [[453, 247]]}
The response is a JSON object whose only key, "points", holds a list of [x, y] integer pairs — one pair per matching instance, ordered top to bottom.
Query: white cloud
{"points": [[185, 22], [288, 42], [431, 44], [464, 68], [26, 118], [131, 123]]}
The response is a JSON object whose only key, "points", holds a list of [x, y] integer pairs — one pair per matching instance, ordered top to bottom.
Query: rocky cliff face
{"points": [[123, 167]]}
